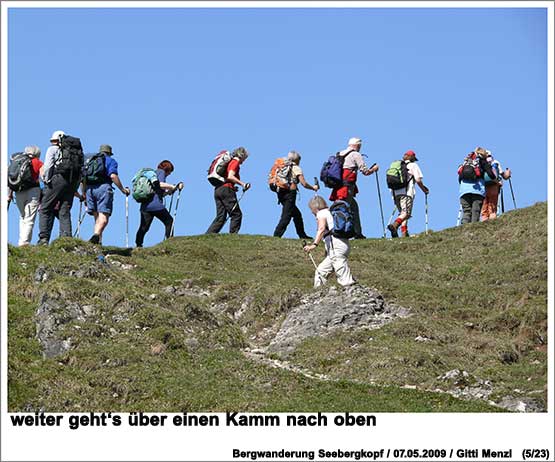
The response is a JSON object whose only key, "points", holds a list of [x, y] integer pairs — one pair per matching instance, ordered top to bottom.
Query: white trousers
{"points": [[28, 204], [336, 260]]}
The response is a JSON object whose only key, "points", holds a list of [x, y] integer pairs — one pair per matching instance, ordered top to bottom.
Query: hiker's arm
{"points": [[368, 170], [115, 178], [233, 179], [306, 185], [167, 187], [424, 189], [10, 195], [81, 197], [322, 227]]}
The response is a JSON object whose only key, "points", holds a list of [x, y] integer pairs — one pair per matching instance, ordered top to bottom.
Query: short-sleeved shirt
{"points": [[111, 165], [235, 166], [296, 172], [415, 175], [156, 203], [325, 213]]}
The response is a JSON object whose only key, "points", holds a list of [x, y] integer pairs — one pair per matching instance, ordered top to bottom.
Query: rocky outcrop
{"points": [[326, 311]]}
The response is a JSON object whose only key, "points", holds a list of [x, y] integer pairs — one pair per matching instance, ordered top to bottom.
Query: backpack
{"points": [[70, 160], [470, 169], [94, 170], [332, 171], [217, 172], [280, 174], [20, 175], [397, 175], [145, 185], [342, 220]]}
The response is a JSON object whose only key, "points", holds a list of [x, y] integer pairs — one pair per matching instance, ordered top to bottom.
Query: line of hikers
{"points": [[65, 169]]}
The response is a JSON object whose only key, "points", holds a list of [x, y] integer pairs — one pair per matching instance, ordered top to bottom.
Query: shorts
{"points": [[100, 198], [404, 204]]}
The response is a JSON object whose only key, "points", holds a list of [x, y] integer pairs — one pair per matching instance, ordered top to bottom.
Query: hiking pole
{"points": [[316, 184], [512, 192], [380, 199], [502, 201], [426, 202], [171, 204], [235, 205], [175, 211], [392, 215], [459, 217], [80, 221], [126, 221], [322, 280]]}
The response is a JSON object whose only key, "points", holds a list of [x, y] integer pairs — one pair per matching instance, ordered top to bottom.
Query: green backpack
{"points": [[397, 175], [145, 184]]}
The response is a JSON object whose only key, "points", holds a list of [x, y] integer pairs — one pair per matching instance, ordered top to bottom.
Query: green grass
{"points": [[479, 292]]}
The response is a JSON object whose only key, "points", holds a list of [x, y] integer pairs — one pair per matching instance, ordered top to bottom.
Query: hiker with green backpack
{"points": [[99, 172], [401, 177], [149, 187]]}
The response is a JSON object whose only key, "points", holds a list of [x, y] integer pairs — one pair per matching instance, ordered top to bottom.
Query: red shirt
{"points": [[36, 164], [235, 166], [341, 193]]}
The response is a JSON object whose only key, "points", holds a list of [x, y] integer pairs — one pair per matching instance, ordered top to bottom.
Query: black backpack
{"points": [[70, 160], [94, 170], [20, 175]]}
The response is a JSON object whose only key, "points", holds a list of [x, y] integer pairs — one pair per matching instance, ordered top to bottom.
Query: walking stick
{"points": [[316, 184], [512, 192], [380, 199], [502, 201], [426, 202], [171, 204], [233, 208], [175, 211], [392, 215], [459, 217], [80, 221], [126, 221], [322, 280]]}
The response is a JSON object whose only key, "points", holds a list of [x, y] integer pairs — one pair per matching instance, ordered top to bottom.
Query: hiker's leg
{"points": [[104, 195], [50, 196], [66, 201], [287, 201], [407, 202], [477, 202], [28, 205], [231, 205], [466, 205], [489, 206], [221, 214], [165, 217], [298, 219], [101, 221], [146, 221], [357, 227], [340, 252], [323, 271]]}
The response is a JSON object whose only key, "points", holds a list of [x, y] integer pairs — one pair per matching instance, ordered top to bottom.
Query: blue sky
{"points": [[183, 84]]}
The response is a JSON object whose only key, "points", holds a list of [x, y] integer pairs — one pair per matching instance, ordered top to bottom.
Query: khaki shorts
{"points": [[404, 204]]}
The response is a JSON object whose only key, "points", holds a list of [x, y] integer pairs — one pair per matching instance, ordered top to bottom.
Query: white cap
{"points": [[56, 135], [355, 141]]}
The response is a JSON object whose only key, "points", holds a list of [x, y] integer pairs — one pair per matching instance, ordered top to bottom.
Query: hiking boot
{"points": [[393, 231], [406, 234], [359, 236], [305, 237], [95, 239], [42, 241]]}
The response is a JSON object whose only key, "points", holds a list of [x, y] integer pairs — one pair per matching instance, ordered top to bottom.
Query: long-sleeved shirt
{"points": [[49, 160], [354, 161]]}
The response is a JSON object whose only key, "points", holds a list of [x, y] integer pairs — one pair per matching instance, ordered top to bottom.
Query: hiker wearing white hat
{"points": [[353, 162]]}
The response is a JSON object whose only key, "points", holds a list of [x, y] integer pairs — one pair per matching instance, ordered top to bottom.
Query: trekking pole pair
{"points": [[180, 188], [82, 214]]}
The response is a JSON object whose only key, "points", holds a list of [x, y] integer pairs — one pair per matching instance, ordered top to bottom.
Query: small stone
{"points": [[152, 296], [157, 349]]}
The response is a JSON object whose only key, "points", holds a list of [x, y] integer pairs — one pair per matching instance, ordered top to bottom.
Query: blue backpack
{"points": [[332, 171], [342, 220]]}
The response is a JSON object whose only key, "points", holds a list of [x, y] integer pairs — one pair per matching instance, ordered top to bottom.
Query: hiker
{"points": [[353, 162], [101, 170], [61, 177], [472, 186], [26, 188], [493, 188], [287, 194], [225, 195], [404, 196], [156, 208], [337, 249]]}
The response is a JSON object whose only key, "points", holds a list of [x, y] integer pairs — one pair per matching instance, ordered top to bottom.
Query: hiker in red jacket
{"points": [[352, 164]]}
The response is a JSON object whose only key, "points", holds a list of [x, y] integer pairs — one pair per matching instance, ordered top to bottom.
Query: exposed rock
{"points": [[40, 274], [333, 309], [51, 316], [421, 338], [157, 349], [466, 386], [520, 404]]}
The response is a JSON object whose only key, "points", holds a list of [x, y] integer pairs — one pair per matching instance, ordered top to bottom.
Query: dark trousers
{"points": [[59, 190], [350, 199], [226, 204], [472, 206], [290, 210], [146, 220]]}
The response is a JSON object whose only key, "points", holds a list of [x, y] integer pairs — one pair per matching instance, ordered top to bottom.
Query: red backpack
{"points": [[470, 169], [217, 172]]}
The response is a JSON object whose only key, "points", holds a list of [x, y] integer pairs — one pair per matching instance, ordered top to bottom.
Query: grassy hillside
{"points": [[152, 340]]}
